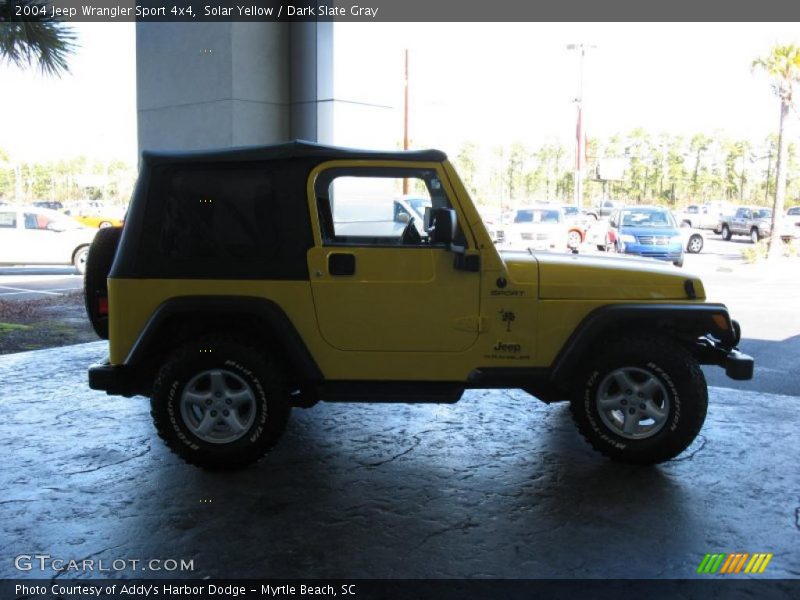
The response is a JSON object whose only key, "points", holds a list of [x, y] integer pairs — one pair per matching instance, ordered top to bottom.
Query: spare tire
{"points": [[95, 286]]}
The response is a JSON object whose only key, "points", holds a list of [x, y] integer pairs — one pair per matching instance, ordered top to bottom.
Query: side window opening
{"points": [[368, 207], [226, 220]]}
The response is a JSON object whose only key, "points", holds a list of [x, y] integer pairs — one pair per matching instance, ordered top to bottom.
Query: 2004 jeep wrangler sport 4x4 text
{"points": [[249, 281]]}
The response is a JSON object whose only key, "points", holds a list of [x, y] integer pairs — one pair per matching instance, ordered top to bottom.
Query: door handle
{"points": [[341, 264]]}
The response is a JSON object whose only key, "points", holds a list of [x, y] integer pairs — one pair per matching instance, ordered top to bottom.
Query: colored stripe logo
{"points": [[735, 562]]}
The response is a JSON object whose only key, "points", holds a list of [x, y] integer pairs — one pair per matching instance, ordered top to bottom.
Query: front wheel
{"points": [[726, 233], [754, 237], [574, 238], [695, 243], [643, 401], [220, 404]]}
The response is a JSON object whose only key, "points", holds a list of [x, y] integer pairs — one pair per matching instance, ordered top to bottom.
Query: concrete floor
{"points": [[498, 485]]}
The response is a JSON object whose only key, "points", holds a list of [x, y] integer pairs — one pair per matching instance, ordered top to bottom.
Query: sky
{"points": [[490, 83], [496, 83], [90, 111]]}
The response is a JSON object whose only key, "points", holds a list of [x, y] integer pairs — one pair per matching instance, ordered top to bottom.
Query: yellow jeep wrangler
{"points": [[249, 281]]}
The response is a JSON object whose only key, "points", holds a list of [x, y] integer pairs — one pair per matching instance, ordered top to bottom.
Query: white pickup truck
{"points": [[705, 216]]}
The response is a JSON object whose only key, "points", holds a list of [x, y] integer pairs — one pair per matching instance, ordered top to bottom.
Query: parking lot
{"points": [[27, 283]]}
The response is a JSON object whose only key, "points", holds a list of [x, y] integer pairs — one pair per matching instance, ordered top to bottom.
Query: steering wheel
{"points": [[410, 234]]}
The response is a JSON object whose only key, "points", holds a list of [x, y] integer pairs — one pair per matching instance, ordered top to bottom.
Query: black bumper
{"points": [[737, 364], [118, 380]]}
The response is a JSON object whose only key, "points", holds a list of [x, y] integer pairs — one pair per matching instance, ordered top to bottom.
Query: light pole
{"points": [[405, 116], [579, 136]]}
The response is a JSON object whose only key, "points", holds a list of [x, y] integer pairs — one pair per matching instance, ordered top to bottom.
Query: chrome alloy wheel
{"points": [[633, 403], [218, 406]]}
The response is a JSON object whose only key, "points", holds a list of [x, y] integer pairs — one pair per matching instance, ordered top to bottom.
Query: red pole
{"points": [[405, 118]]}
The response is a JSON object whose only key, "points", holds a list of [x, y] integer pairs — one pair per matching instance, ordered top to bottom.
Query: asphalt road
{"points": [[28, 283], [764, 299]]}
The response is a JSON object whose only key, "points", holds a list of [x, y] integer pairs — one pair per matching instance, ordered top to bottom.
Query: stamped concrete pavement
{"points": [[498, 485]]}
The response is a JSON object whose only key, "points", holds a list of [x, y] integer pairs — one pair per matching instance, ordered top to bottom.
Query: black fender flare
{"points": [[263, 309], [690, 319]]}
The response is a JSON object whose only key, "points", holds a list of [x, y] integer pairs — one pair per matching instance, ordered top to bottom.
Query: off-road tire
{"points": [[726, 233], [98, 264], [679, 373], [262, 374]]}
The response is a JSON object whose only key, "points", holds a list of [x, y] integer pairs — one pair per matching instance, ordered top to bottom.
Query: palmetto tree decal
{"points": [[508, 318]]}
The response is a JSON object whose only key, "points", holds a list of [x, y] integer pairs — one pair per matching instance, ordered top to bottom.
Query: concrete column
{"points": [[311, 81], [216, 85]]}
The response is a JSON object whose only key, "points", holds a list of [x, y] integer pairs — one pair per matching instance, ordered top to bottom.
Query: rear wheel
{"points": [[726, 233], [79, 259], [95, 286], [643, 401], [219, 404]]}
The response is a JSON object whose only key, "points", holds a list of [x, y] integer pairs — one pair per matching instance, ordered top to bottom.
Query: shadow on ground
{"points": [[498, 485]]}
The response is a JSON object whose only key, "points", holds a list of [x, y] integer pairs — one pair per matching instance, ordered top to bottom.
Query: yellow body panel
{"points": [[408, 314]]}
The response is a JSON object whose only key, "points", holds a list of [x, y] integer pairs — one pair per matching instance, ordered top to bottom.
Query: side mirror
{"points": [[402, 217], [442, 229]]}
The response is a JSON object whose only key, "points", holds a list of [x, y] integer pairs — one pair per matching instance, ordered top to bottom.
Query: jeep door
{"points": [[379, 284]]}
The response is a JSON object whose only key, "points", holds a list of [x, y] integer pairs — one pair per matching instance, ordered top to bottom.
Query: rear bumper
{"points": [[118, 380]]}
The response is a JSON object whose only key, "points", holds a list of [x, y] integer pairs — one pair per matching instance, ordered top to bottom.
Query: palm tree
{"points": [[36, 38], [782, 65]]}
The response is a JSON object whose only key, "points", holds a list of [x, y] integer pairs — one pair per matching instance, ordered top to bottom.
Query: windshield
{"points": [[535, 215], [647, 218]]}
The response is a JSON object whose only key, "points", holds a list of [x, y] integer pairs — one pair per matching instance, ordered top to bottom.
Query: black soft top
{"points": [[295, 149]]}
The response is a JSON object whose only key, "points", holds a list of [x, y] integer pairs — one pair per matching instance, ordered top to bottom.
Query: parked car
{"points": [[51, 204], [411, 207], [602, 209], [97, 215], [705, 216], [493, 221], [753, 221], [577, 226], [538, 228], [790, 228], [648, 231], [32, 235], [693, 240]]}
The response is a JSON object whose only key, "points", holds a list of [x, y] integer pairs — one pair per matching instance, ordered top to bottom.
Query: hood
{"points": [[654, 231], [584, 277]]}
